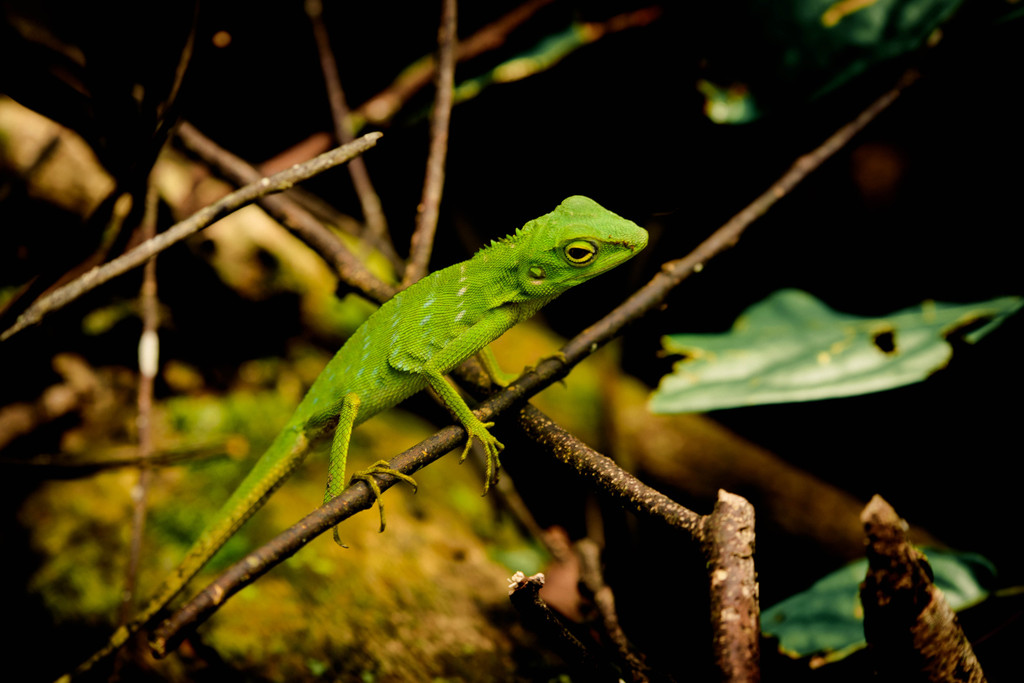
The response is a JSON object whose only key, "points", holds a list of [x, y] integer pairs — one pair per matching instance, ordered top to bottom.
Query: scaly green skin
{"points": [[410, 343]]}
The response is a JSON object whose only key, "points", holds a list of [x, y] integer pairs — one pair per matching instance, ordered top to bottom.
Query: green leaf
{"points": [[791, 347], [828, 617]]}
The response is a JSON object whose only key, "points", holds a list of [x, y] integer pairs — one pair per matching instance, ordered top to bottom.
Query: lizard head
{"points": [[579, 240]]}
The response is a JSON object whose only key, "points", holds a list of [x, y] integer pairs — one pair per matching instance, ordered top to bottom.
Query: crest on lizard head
{"points": [[579, 240]]}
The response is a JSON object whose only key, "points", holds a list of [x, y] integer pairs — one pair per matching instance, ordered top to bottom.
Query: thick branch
{"points": [[206, 216], [728, 542], [913, 633]]}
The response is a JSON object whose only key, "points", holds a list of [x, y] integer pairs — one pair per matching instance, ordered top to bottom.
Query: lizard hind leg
{"points": [[339, 452], [339, 458]]}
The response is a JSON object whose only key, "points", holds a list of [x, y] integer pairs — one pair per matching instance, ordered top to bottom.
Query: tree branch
{"points": [[383, 106], [433, 184], [289, 213], [373, 213], [206, 216], [148, 364], [604, 475], [352, 500], [727, 537], [592, 578], [911, 630], [587, 661]]}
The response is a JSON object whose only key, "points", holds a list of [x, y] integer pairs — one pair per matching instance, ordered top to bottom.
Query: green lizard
{"points": [[408, 344]]}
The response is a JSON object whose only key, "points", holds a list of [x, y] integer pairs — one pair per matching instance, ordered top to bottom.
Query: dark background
{"points": [[923, 204]]}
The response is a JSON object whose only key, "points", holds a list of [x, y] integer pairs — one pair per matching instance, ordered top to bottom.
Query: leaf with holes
{"points": [[792, 347]]}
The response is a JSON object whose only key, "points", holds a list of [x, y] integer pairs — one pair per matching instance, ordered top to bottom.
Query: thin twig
{"points": [[548, 53], [383, 106], [380, 109], [279, 182], [433, 184], [373, 213], [148, 364], [726, 537], [592, 577]]}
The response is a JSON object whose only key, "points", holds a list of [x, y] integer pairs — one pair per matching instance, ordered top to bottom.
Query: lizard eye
{"points": [[580, 252]]}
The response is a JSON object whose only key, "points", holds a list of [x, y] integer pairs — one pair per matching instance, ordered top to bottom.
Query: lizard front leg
{"points": [[458, 348], [474, 427]]}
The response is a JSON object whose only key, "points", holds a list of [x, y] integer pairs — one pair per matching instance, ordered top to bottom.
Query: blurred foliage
{"points": [[801, 49], [550, 51], [538, 58], [791, 347], [828, 617]]}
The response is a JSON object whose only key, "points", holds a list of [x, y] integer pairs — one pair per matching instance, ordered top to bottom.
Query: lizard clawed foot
{"points": [[492, 447], [493, 467], [366, 476]]}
